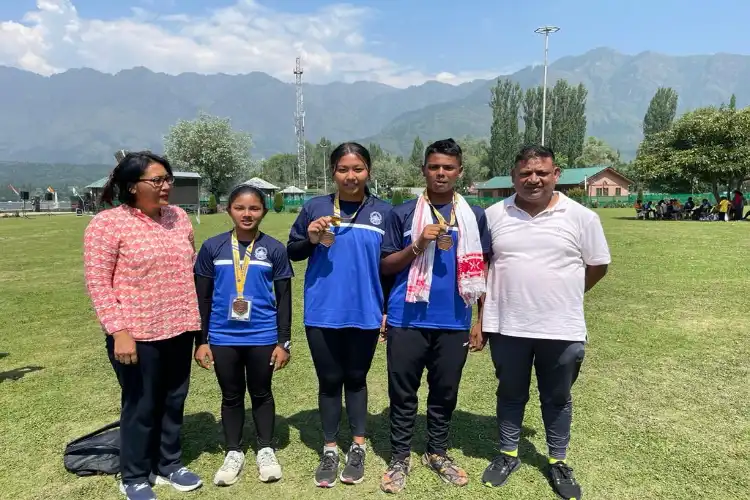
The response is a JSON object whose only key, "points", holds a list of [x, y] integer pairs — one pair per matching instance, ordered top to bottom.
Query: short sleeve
{"points": [[298, 232], [484, 233], [393, 239], [594, 248], [204, 263], [282, 268]]}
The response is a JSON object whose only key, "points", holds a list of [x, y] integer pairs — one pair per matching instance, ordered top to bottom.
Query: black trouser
{"points": [[410, 351], [342, 358], [557, 364], [238, 367], [153, 401]]}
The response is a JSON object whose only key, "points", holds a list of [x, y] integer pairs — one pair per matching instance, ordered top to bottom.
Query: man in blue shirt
{"points": [[437, 247]]}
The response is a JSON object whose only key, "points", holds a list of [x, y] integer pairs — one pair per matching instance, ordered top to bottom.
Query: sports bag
{"points": [[95, 453]]}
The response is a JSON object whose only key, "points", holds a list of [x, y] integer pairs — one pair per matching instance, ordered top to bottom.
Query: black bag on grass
{"points": [[95, 453]]}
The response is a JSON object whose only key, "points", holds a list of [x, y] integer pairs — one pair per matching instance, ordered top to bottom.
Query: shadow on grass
{"points": [[4, 355], [18, 373], [202, 433], [474, 435]]}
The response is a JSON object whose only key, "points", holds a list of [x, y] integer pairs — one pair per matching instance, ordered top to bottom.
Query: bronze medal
{"points": [[327, 238], [445, 242], [239, 306]]}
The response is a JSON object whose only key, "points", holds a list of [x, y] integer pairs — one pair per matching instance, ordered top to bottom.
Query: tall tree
{"points": [[733, 102], [661, 111], [532, 115], [567, 120], [505, 138], [208, 145], [707, 145], [597, 152], [416, 159], [280, 169]]}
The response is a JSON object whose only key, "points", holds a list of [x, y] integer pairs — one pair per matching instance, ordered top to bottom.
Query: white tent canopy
{"points": [[261, 184], [292, 190]]}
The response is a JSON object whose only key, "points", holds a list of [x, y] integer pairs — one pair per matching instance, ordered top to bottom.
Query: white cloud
{"points": [[241, 38]]}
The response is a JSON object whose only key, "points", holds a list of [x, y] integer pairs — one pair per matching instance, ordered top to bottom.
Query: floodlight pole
{"points": [[545, 30]]}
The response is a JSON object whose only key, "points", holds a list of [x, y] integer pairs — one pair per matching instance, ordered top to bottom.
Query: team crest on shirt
{"points": [[376, 219], [261, 253]]}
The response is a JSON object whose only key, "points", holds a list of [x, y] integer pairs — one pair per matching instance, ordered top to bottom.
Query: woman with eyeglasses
{"points": [[138, 260]]}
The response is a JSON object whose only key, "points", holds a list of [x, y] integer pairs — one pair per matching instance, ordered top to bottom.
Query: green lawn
{"points": [[661, 408]]}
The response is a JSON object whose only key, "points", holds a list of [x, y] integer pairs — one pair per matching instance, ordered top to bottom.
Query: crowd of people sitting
{"points": [[673, 209]]}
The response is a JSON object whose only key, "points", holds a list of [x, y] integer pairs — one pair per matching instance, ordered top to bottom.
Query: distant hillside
{"points": [[82, 116], [61, 176]]}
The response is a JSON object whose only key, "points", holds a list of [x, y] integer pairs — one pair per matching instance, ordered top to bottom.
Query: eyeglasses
{"points": [[158, 182]]}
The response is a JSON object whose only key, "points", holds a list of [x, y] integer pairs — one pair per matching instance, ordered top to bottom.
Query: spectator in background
{"points": [[738, 204], [138, 261]]}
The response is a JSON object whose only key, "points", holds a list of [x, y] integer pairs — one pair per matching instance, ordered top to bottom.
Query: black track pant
{"points": [[410, 351], [342, 358], [557, 364], [238, 367], [153, 401]]}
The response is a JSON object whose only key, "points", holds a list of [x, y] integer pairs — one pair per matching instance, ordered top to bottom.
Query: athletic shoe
{"points": [[268, 467], [446, 469], [354, 470], [229, 472], [497, 473], [325, 474], [394, 479], [182, 480], [562, 481], [140, 491]]}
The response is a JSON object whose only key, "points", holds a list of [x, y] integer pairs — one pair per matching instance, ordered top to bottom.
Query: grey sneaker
{"points": [[268, 467], [354, 470], [327, 471], [229, 472]]}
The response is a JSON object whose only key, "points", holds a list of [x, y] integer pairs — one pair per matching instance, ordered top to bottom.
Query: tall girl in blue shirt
{"points": [[340, 235], [243, 280]]}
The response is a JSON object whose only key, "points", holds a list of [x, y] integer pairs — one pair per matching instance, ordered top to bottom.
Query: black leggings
{"points": [[342, 358], [236, 366]]}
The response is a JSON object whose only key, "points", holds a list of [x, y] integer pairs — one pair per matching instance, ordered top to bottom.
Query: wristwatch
{"points": [[287, 346]]}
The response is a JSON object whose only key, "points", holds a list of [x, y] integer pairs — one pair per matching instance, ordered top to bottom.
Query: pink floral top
{"points": [[139, 272]]}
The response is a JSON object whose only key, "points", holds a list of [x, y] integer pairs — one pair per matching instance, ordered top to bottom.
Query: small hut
{"points": [[266, 187], [293, 195]]}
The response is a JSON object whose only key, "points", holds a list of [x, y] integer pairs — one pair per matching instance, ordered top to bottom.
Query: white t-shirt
{"points": [[537, 272]]}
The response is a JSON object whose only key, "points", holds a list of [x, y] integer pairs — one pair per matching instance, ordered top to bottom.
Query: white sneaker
{"points": [[268, 467], [229, 473]]}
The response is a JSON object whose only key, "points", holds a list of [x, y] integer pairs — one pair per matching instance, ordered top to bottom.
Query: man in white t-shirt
{"points": [[547, 251]]}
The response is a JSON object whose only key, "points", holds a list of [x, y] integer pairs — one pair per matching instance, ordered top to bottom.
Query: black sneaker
{"points": [[354, 470], [497, 473], [325, 474], [562, 481]]}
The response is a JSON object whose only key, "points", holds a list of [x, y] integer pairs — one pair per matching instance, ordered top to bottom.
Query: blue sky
{"points": [[395, 41]]}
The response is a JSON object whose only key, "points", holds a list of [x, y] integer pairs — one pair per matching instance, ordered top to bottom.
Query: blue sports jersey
{"points": [[268, 263], [342, 283], [446, 310]]}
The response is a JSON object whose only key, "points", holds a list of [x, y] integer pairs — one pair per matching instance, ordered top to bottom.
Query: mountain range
{"points": [[82, 116]]}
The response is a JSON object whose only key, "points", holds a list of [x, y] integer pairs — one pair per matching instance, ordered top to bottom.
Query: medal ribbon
{"points": [[337, 210], [438, 215], [240, 268]]}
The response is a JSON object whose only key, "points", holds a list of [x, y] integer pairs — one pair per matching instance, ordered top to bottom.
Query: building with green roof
{"points": [[599, 181]]}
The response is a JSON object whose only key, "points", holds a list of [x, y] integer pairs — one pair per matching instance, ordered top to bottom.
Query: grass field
{"points": [[661, 408]]}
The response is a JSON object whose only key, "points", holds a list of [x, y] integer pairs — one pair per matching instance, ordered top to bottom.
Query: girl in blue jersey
{"points": [[340, 235], [243, 280]]}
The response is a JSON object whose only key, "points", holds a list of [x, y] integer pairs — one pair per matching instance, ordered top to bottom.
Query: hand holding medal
{"points": [[317, 229], [444, 240]]}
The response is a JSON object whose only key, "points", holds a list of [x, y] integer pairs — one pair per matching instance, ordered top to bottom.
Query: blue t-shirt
{"points": [[268, 263], [342, 282], [446, 310]]}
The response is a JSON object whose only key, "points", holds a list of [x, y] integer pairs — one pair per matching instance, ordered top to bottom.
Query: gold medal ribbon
{"points": [[439, 216], [336, 219], [240, 268]]}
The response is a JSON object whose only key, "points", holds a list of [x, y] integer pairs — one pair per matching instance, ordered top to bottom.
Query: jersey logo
{"points": [[376, 219], [261, 253]]}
